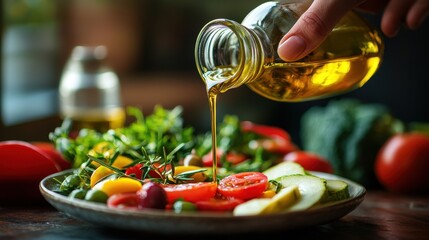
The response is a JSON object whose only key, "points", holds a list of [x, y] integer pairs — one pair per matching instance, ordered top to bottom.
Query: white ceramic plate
{"points": [[197, 222]]}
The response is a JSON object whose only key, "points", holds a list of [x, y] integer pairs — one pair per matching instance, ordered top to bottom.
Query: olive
{"points": [[193, 160], [70, 183], [78, 193], [95, 195], [152, 195], [180, 206]]}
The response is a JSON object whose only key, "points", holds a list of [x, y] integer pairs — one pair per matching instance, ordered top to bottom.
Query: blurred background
{"points": [[151, 47]]}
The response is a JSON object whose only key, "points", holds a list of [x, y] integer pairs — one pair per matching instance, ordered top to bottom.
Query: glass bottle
{"points": [[229, 54], [90, 91]]}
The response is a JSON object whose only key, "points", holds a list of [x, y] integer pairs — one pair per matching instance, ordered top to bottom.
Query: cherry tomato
{"points": [[265, 130], [274, 145], [232, 157], [208, 158], [236, 158], [309, 161], [402, 163], [160, 168], [135, 170], [245, 185], [190, 192], [123, 201], [218, 204]]}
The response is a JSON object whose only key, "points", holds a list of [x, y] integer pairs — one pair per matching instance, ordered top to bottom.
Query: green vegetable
{"points": [[160, 132], [349, 134], [283, 169], [311, 188], [336, 190], [78, 193], [94, 195], [181, 206]]}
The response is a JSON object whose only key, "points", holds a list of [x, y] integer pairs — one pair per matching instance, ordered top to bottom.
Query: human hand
{"points": [[320, 18]]}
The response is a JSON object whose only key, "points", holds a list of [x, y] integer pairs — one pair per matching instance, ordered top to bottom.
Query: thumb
{"points": [[312, 28]]}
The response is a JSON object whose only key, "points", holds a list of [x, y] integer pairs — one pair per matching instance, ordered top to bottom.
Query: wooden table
{"points": [[381, 215]]}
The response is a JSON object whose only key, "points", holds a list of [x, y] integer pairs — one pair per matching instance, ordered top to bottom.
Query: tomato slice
{"points": [[245, 185], [190, 192], [123, 201], [218, 204]]}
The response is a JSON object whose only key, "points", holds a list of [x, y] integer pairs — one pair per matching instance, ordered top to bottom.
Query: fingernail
{"points": [[292, 48]]}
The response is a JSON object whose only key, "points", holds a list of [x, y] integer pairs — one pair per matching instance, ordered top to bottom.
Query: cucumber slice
{"points": [[283, 169], [312, 189], [336, 190], [280, 202]]}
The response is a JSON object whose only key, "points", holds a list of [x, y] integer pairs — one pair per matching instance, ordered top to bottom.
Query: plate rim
{"points": [[209, 221]]}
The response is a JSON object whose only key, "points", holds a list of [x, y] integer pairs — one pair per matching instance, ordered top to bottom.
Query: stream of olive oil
{"points": [[212, 103]]}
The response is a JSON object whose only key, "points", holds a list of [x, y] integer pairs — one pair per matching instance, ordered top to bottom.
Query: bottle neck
{"points": [[228, 55]]}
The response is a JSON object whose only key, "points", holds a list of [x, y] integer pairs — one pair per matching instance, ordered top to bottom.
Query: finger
{"points": [[375, 6], [417, 14], [394, 15], [312, 28]]}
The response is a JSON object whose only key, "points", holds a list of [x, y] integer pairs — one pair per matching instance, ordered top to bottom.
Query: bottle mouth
{"points": [[220, 54]]}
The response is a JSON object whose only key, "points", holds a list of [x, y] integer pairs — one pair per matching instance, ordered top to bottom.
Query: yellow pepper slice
{"points": [[98, 174], [197, 177], [119, 185]]}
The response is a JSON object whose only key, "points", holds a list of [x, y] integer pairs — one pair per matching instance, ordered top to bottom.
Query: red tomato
{"points": [[265, 130], [274, 145], [51, 151], [232, 157], [236, 158], [208, 159], [21, 160], [309, 161], [402, 163], [22, 167], [161, 168], [135, 170], [245, 185], [190, 192], [123, 201], [218, 204]]}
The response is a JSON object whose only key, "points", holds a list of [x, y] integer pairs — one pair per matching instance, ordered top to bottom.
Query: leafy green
{"points": [[161, 131], [349, 134], [155, 141]]}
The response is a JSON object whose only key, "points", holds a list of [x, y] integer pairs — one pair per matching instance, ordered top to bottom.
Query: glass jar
{"points": [[229, 54], [90, 91]]}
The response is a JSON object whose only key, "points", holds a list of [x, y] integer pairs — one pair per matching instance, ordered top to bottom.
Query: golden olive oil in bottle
{"points": [[229, 54]]}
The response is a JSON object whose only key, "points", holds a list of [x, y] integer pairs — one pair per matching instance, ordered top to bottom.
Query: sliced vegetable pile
{"points": [[156, 162]]}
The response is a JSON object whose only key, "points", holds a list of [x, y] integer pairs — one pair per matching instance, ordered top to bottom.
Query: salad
{"points": [[156, 162]]}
